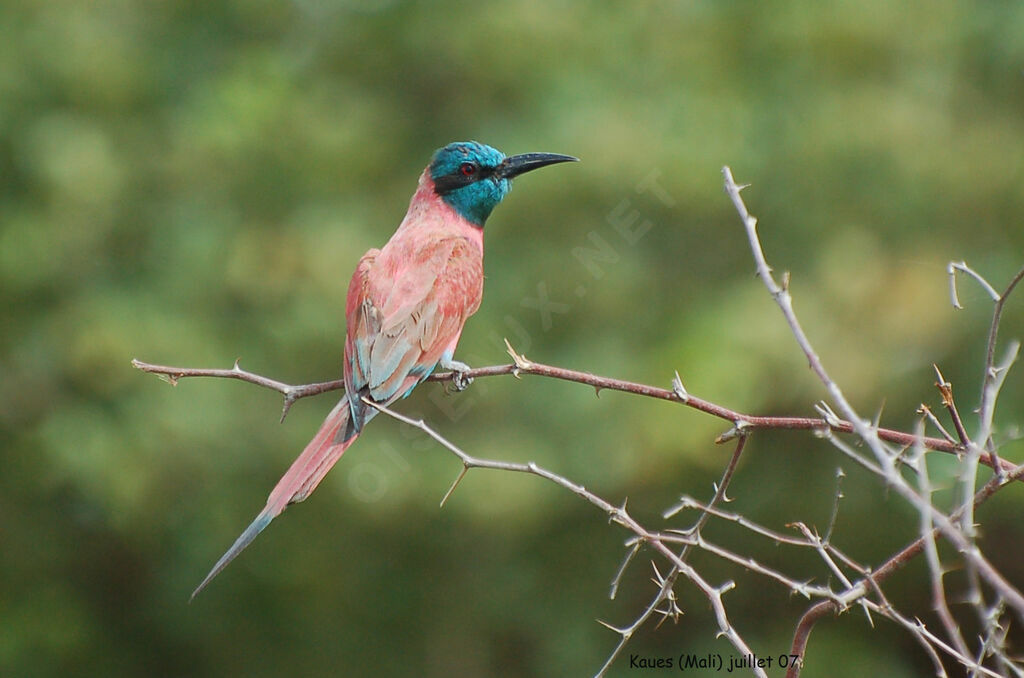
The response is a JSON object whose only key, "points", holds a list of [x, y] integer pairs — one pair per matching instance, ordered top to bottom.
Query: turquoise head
{"points": [[473, 177]]}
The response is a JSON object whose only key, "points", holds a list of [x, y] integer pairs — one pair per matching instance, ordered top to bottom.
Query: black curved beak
{"points": [[514, 165]]}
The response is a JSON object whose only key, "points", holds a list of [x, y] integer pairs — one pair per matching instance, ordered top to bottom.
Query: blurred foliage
{"points": [[189, 182]]}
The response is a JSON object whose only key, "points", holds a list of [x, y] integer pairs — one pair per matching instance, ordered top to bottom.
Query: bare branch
{"points": [[962, 266], [993, 332], [992, 381], [946, 391], [291, 393], [927, 412], [748, 421], [895, 457], [886, 460], [835, 505], [618, 515], [931, 551], [872, 580], [665, 590], [803, 633]]}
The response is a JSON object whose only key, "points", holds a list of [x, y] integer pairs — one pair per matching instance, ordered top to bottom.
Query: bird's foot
{"points": [[460, 380]]}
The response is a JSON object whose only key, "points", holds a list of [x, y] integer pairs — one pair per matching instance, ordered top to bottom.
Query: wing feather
{"points": [[404, 316]]}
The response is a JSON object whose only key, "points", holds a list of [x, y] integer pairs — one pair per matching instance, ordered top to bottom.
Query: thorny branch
{"points": [[739, 420], [617, 514], [958, 529], [872, 580], [859, 584], [666, 592]]}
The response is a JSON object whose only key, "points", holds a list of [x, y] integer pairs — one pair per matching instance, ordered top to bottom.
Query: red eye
{"points": [[468, 169]]}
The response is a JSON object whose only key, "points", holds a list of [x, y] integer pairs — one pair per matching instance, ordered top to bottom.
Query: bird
{"points": [[406, 306]]}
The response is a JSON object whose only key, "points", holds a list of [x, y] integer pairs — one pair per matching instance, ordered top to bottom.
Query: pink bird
{"points": [[406, 306]]}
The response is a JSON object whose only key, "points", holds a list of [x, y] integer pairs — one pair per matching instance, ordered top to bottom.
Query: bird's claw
{"points": [[461, 380]]}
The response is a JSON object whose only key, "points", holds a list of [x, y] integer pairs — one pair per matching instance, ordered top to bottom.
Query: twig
{"points": [[962, 266], [784, 300], [997, 316], [991, 383], [946, 391], [291, 393], [927, 412], [749, 422], [886, 459], [835, 505], [617, 515], [931, 548], [872, 580], [665, 589], [803, 633]]}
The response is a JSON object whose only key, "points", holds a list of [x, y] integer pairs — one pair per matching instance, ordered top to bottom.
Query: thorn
{"points": [[785, 281], [520, 360], [237, 367], [945, 388], [679, 390], [597, 391], [289, 400], [827, 413], [878, 415], [738, 430], [451, 489], [725, 497], [685, 502], [685, 533], [658, 580], [804, 589], [867, 613], [621, 632]]}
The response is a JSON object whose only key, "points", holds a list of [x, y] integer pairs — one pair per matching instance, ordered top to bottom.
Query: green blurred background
{"points": [[193, 182]]}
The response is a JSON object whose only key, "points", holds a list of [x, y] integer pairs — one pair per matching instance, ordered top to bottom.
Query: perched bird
{"points": [[406, 306]]}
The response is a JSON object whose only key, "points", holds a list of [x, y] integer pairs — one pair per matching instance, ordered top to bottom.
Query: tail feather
{"points": [[305, 473]]}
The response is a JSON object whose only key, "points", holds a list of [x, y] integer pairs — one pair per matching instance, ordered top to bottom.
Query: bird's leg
{"points": [[460, 381]]}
